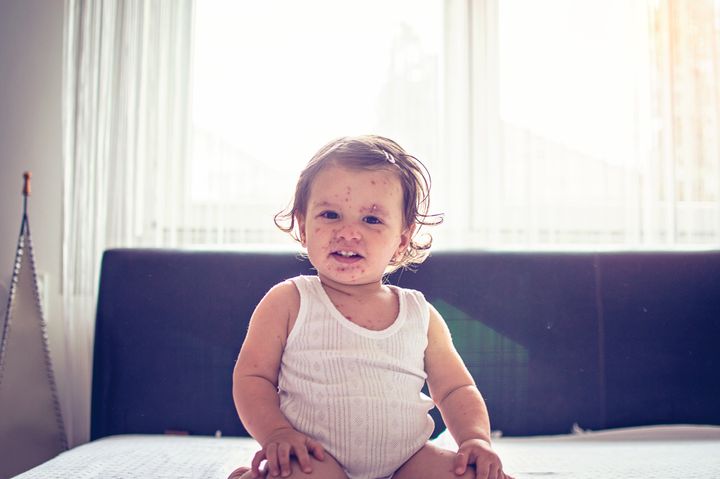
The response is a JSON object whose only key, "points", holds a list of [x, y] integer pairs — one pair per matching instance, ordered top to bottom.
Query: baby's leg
{"points": [[431, 462], [325, 469], [239, 472]]}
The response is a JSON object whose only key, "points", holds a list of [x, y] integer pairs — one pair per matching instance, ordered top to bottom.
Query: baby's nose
{"points": [[348, 231]]}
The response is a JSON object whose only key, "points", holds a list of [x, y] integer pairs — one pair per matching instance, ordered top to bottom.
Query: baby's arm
{"points": [[255, 382], [459, 401]]}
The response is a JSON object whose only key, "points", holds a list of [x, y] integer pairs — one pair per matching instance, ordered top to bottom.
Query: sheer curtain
{"points": [[275, 80], [126, 92], [547, 124], [582, 124]]}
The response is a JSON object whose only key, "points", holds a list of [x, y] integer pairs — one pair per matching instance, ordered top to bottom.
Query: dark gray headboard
{"points": [[169, 327], [553, 339]]}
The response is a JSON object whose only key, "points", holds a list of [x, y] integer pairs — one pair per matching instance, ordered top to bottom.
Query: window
{"points": [[273, 81], [545, 124]]}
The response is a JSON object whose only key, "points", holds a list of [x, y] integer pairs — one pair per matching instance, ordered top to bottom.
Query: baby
{"points": [[329, 377]]}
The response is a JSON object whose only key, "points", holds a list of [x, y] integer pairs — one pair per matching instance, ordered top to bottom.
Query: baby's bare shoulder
{"points": [[282, 294], [279, 305]]}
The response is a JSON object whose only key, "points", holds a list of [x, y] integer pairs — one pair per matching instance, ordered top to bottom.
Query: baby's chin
{"points": [[349, 276]]}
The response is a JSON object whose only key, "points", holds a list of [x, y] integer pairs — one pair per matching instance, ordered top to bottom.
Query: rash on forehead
{"points": [[336, 186], [374, 208]]}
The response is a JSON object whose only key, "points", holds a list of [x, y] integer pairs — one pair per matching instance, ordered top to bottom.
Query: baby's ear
{"points": [[405, 238]]}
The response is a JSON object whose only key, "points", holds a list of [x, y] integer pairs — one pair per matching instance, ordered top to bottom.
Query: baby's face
{"points": [[354, 224]]}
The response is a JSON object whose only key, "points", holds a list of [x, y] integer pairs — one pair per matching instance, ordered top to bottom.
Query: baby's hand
{"points": [[280, 447], [478, 452]]}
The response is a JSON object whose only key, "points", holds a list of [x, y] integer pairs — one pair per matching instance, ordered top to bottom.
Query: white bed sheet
{"points": [[645, 452], [649, 452], [148, 456]]}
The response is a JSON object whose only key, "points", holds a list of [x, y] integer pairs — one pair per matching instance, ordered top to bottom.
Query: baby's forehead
{"points": [[338, 175], [338, 184]]}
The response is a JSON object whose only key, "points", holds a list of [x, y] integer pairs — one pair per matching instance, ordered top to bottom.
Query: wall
{"points": [[31, 50]]}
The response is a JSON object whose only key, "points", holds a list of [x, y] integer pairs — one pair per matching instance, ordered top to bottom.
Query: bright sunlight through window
{"points": [[275, 80], [545, 123]]}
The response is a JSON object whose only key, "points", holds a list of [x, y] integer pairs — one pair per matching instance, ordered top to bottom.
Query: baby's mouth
{"points": [[346, 256]]}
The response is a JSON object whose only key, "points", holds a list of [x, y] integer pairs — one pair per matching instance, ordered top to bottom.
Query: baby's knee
{"points": [[432, 462], [328, 468], [241, 472], [469, 473]]}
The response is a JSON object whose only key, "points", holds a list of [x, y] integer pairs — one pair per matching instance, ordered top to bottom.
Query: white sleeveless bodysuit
{"points": [[355, 390]]}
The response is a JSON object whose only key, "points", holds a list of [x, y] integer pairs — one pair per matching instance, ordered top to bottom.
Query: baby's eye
{"points": [[329, 215], [373, 220]]}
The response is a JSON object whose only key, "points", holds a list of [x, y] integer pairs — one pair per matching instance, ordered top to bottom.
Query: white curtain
{"points": [[126, 92], [562, 124], [582, 124]]}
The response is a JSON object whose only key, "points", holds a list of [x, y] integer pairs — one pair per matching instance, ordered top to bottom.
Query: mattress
{"points": [[650, 452], [631, 453], [148, 456]]}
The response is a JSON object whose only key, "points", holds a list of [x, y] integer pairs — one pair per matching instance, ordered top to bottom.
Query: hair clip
{"points": [[389, 157]]}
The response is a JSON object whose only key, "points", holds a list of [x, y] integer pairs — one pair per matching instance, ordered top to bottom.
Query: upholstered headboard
{"points": [[601, 340]]}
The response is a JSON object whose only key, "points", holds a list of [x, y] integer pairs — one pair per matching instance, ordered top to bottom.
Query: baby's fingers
{"points": [[316, 449], [271, 454], [283, 455], [303, 455], [303, 459], [257, 460], [460, 463], [484, 471], [492, 471]]}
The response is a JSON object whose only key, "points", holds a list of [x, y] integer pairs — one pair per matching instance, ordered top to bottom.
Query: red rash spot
{"points": [[372, 182], [317, 230]]}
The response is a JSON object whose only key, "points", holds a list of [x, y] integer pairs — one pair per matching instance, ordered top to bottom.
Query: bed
{"points": [[592, 364], [644, 452]]}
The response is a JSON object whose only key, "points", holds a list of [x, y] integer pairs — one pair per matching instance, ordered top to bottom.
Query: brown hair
{"points": [[371, 152]]}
